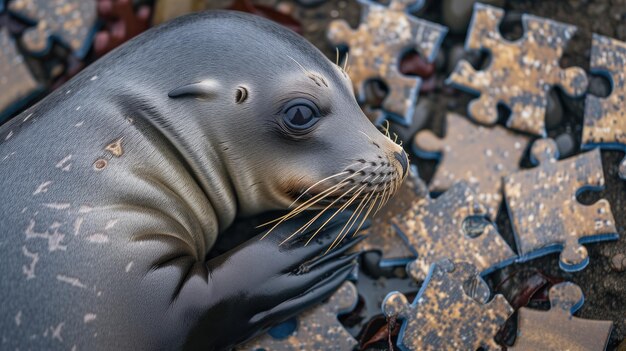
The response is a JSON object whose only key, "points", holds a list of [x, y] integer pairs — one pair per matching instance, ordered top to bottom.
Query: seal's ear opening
{"points": [[206, 88], [241, 94]]}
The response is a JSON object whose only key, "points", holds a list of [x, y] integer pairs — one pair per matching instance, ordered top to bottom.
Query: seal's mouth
{"points": [[364, 187]]}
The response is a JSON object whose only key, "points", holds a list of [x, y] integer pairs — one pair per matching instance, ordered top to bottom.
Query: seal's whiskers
{"points": [[316, 184], [316, 198], [312, 201], [308, 202], [362, 204], [341, 209], [369, 210], [315, 218], [306, 226], [346, 229]]}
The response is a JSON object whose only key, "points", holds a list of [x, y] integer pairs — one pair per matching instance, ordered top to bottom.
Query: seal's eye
{"points": [[301, 115]]}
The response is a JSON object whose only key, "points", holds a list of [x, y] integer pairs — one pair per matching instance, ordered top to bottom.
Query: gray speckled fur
{"points": [[112, 258]]}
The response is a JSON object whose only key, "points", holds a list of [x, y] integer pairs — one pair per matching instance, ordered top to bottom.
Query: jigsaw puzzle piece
{"points": [[72, 22], [376, 47], [520, 73], [16, 82], [403, 92], [605, 118], [475, 154], [545, 215], [430, 226], [381, 235], [443, 316], [315, 329], [557, 329]]}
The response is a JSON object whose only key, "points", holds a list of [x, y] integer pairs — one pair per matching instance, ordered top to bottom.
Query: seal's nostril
{"points": [[404, 161]]}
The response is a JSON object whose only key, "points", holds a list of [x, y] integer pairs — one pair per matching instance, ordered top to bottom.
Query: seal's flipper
{"points": [[205, 88], [287, 279]]}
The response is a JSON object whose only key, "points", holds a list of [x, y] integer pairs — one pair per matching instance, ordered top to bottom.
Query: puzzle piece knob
{"points": [[338, 31], [34, 40], [573, 81], [544, 150], [574, 256], [566, 296], [396, 305]]}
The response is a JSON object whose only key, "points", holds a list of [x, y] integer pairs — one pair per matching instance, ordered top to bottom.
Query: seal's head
{"points": [[286, 125]]}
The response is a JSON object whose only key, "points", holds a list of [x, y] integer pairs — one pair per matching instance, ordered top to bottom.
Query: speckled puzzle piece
{"points": [[72, 22], [377, 45], [520, 73], [16, 82], [605, 118], [478, 155], [544, 212], [445, 227], [382, 235], [444, 316], [317, 328], [557, 329]]}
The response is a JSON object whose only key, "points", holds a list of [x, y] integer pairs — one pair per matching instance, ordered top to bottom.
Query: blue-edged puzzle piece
{"points": [[69, 22], [605, 118], [544, 212], [453, 226], [450, 312], [558, 329]]}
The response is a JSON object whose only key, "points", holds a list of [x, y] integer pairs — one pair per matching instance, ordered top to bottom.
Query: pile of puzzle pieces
{"points": [[45, 42], [441, 234], [449, 242]]}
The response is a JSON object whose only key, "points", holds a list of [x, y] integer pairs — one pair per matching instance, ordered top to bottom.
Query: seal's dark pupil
{"points": [[300, 115]]}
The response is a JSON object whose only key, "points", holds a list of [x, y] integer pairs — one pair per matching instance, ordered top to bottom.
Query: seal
{"points": [[116, 186]]}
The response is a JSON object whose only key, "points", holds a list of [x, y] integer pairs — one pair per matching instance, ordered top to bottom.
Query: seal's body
{"points": [[114, 188]]}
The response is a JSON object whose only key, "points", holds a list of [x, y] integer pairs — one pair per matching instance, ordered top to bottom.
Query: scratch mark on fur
{"points": [[7, 156], [63, 164], [42, 188], [58, 206], [85, 209], [77, 223], [110, 224], [98, 238], [54, 239], [129, 266], [29, 270], [71, 281], [89, 317], [18, 318], [56, 331]]}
